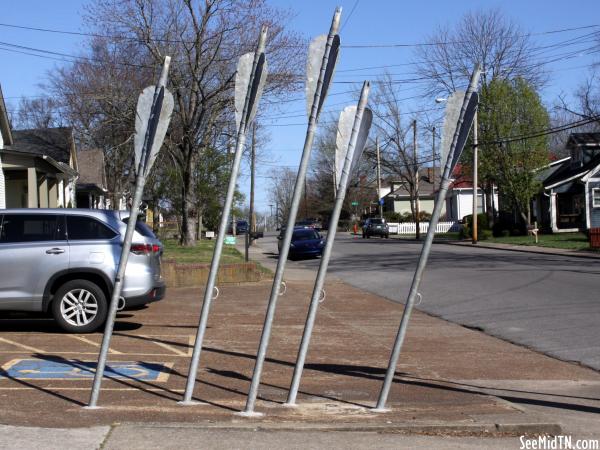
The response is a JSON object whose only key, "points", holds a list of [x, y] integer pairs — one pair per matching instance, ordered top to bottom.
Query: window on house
{"points": [[596, 197]]}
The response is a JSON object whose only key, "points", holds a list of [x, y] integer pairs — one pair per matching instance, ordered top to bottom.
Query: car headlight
{"points": [[321, 242]]}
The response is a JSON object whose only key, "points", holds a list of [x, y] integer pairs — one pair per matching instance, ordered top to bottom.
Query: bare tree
{"points": [[204, 38], [489, 38], [502, 48], [97, 95], [43, 112], [399, 157], [280, 193]]}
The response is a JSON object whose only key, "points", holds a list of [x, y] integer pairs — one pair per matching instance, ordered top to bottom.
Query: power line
{"points": [[349, 16], [181, 41], [545, 132]]}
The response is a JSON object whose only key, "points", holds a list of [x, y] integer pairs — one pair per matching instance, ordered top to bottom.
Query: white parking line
{"points": [[95, 344], [23, 346], [165, 346]]}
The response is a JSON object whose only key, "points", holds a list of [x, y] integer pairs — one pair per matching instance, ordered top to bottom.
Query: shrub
{"points": [[484, 235]]}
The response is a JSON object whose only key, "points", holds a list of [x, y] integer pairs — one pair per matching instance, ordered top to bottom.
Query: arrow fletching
{"points": [[316, 52], [242, 81], [453, 106], [142, 118], [465, 128], [344, 132]]}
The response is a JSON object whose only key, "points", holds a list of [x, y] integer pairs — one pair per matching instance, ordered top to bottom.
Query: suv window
{"points": [[30, 228], [87, 228], [142, 228]]}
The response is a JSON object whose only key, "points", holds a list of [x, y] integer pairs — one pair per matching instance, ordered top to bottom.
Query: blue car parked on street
{"points": [[306, 242]]}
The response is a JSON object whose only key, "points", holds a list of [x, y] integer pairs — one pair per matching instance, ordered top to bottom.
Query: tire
{"points": [[79, 306]]}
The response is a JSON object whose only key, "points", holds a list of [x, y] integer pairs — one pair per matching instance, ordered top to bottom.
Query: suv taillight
{"points": [[145, 249]]}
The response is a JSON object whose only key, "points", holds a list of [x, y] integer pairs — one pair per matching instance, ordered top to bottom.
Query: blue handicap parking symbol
{"points": [[41, 369]]}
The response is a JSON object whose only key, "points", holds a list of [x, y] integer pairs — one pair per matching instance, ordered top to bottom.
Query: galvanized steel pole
{"points": [[378, 178], [475, 182], [137, 200], [335, 215], [285, 245], [214, 265], [414, 289]]}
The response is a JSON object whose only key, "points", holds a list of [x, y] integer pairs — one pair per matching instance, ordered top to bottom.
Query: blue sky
{"points": [[371, 22]]}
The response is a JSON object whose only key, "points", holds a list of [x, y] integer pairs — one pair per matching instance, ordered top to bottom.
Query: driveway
{"points": [[549, 303]]}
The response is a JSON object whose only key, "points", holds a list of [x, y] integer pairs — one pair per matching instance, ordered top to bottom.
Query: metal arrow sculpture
{"points": [[324, 50], [249, 82], [154, 109], [462, 127], [353, 129]]}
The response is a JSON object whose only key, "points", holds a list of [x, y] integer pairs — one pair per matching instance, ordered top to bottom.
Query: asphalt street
{"points": [[548, 303]]}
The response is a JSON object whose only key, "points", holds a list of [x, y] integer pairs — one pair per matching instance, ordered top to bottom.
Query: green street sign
{"points": [[354, 203]]}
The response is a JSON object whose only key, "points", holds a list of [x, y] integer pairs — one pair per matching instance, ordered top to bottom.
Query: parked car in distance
{"points": [[312, 223], [241, 227], [375, 227], [306, 242], [64, 261]]}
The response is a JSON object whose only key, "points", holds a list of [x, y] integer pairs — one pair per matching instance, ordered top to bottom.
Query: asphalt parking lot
{"points": [[46, 374]]}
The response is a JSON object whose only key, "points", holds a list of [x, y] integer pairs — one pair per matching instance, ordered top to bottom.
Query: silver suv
{"points": [[64, 261]]}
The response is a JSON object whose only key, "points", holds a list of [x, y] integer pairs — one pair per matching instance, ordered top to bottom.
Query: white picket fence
{"points": [[411, 227]]}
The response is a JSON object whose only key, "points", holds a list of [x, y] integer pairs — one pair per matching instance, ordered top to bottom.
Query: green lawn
{"points": [[568, 241], [201, 253]]}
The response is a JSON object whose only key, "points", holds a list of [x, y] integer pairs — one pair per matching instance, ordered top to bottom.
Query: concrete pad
{"points": [[349, 351], [27, 438], [145, 438]]}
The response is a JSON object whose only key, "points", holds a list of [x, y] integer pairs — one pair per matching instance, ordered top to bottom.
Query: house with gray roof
{"points": [[38, 167], [91, 185], [570, 200]]}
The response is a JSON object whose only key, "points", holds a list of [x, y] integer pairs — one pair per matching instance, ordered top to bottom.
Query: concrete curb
{"points": [[522, 249], [436, 428]]}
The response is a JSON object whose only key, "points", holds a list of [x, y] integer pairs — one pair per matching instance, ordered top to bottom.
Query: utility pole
{"points": [[232, 153], [433, 158], [378, 178], [475, 180], [416, 189], [305, 200], [271, 216], [251, 220]]}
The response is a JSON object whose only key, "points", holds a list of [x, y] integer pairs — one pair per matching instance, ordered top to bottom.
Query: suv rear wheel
{"points": [[79, 306]]}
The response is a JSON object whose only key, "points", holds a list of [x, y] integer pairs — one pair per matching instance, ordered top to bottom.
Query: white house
{"points": [[5, 138], [459, 200]]}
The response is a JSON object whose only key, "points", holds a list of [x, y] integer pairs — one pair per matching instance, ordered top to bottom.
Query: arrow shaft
{"points": [[285, 246], [216, 259], [324, 264], [416, 282], [118, 285]]}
